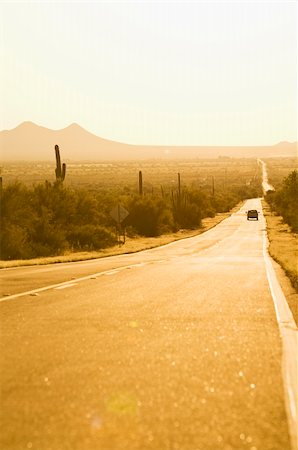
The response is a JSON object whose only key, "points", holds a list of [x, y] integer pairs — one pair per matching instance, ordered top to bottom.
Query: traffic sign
{"points": [[119, 213]]}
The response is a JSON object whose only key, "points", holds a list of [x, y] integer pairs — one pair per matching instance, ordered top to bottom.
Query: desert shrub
{"points": [[285, 200], [59, 201], [224, 201], [15, 204], [88, 210], [16, 216], [149, 216], [190, 216], [48, 219], [47, 237], [90, 237], [15, 243]]}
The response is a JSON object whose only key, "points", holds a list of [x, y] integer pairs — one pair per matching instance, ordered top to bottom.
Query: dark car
{"points": [[252, 214]]}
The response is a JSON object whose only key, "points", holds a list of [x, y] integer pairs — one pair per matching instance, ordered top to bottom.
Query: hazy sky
{"points": [[194, 73]]}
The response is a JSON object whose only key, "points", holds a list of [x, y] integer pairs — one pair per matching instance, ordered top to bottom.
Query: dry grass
{"points": [[279, 168], [115, 175], [130, 246], [283, 247]]}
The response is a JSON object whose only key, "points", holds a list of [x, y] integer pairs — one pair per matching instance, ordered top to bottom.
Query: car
{"points": [[252, 214]]}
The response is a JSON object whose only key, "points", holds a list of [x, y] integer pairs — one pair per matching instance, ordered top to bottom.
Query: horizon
{"points": [[153, 74]]}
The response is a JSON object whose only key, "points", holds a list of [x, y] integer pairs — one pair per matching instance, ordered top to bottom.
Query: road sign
{"points": [[119, 213]]}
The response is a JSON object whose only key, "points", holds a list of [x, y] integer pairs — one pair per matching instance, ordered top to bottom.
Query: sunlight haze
{"points": [[167, 73]]}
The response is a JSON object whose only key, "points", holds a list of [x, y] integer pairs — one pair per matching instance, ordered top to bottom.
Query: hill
{"points": [[29, 142]]}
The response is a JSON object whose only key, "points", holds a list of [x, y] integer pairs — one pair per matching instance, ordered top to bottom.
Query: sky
{"points": [[153, 72]]}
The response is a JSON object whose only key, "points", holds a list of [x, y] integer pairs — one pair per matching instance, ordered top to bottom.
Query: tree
{"points": [[285, 200]]}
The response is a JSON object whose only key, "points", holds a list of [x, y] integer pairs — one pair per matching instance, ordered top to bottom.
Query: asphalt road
{"points": [[265, 183], [175, 348]]}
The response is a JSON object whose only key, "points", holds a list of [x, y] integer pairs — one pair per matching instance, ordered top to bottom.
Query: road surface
{"points": [[265, 183], [174, 348]]}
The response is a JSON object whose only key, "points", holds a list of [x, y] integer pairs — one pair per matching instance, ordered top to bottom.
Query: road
{"points": [[265, 183], [174, 348]]}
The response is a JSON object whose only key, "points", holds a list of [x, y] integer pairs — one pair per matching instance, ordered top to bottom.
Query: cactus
{"points": [[59, 171], [140, 183], [47, 185], [179, 205]]}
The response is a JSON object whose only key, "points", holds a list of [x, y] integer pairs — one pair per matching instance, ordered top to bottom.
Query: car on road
{"points": [[252, 214]]}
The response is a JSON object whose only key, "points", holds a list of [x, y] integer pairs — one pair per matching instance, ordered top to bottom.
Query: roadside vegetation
{"points": [[279, 168], [284, 200], [53, 218], [282, 224], [132, 244], [283, 247]]}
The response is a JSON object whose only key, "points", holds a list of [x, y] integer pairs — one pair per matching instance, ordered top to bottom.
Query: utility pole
{"points": [[213, 186]]}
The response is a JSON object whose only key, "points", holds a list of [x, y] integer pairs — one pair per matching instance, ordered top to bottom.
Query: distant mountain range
{"points": [[29, 142]]}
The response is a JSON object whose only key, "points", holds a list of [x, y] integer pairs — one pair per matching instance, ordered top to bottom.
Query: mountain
{"points": [[29, 141], [32, 142]]}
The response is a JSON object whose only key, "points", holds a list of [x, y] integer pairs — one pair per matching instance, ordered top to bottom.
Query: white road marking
{"points": [[139, 264], [66, 286], [289, 335]]}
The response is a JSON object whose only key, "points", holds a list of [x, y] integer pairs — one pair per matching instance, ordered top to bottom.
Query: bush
{"points": [[284, 200], [149, 216], [48, 219], [91, 237], [15, 243]]}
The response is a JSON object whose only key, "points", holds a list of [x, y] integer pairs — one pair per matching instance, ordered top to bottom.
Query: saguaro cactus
{"points": [[60, 171], [140, 183], [180, 202]]}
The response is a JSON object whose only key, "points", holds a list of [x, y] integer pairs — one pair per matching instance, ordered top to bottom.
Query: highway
{"points": [[266, 186], [181, 347]]}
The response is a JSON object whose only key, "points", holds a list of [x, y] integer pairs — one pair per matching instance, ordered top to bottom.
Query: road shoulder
{"points": [[283, 249]]}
